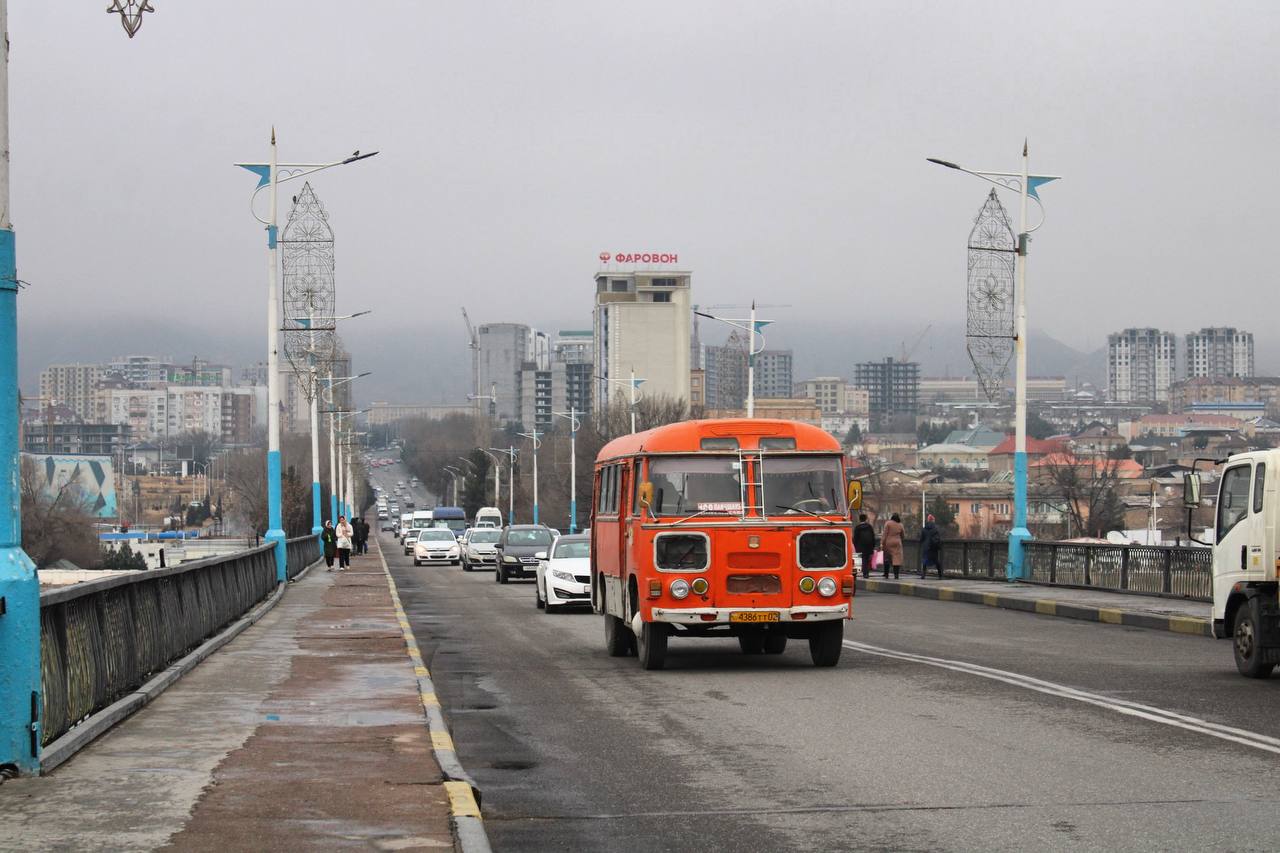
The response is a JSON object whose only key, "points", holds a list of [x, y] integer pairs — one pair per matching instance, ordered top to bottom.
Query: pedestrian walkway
{"points": [[1094, 605], [306, 732]]}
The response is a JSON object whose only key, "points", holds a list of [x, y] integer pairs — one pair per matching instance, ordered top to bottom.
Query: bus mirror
{"points": [[1191, 490], [646, 494], [855, 495]]}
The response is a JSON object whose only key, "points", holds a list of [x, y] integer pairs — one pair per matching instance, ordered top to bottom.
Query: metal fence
{"points": [[1143, 569], [101, 639]]}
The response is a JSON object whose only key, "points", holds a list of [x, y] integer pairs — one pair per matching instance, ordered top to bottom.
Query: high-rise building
{"points": [[642, 323], [503, 350], [1219, 352], [1141, 365], [572, 369], [144, 371], [725, 373], [773, 375], [71, 385], [893, 390], [826, 392]]}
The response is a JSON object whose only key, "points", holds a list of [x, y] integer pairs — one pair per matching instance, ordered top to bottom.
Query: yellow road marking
{"points": [[946, 593], [990, 599], [1046, 607], [1110, 616], [1184, 625], [421, 672], [429, 700], [441, 740], [462, 800]]}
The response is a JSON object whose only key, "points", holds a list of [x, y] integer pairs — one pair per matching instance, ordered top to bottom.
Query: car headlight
{"points": [[509, 559], [561, 574], [807, 584], [700, 586], [827, 587], [679, 588]]}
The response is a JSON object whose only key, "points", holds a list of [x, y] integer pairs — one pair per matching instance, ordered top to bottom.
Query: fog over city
{"points": [[778, 148]]}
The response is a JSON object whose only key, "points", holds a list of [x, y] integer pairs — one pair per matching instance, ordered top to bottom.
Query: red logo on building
{"points": [[604, 257], [642, 258]]}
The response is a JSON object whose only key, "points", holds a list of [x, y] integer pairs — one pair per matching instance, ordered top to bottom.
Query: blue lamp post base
{"points": [[19, 662]]}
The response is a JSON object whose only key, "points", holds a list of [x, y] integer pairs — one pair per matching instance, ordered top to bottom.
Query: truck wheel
{"points": [[617, 637], [1244, 641], [751, 643], [775, 643], [826, 643], [651, 645]]}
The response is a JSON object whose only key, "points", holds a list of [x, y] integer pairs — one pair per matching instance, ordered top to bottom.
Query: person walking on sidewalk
{"points": [[345, 534], [358, 534], [364, 536], [329, 540], [864, 542], [891, 545], [930, 548]]}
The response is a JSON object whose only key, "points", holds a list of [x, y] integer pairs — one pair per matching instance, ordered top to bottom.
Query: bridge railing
{"points": [[1143, 569], [102, 639]]}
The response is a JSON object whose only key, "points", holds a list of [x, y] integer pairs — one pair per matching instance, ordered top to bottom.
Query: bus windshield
{"points": [[803, 484], [685, 485]]}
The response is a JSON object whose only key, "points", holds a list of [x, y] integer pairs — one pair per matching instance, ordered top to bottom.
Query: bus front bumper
{"points": [[723, 615]]}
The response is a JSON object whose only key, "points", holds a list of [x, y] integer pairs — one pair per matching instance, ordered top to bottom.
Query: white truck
{"points": [[1245, 565]]}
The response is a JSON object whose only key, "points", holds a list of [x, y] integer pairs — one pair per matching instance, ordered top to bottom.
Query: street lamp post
{"points": [[269, 178], [1026, 185], [752, 327], [634, 384], [572, 416], [535, 437], [454, 473], [497, 477], [511, 481]]}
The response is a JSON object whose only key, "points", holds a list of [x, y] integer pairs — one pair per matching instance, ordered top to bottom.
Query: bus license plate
{"points": [[754, 616]]}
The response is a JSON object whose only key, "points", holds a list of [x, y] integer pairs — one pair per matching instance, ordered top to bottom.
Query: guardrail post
{"points": [[1053, 563], [1088, 564], [1124, 568], [1168, 570]]}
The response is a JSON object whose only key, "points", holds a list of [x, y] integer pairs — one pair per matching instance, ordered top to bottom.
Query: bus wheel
{"points": [[617, 637], [826, 642], [751, 643], [775, 643], [651, 645], [1248, 653]]}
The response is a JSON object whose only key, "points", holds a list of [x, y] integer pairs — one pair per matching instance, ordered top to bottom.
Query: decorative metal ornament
{"points": [[130, 12], [306, 250], [990, 328]]}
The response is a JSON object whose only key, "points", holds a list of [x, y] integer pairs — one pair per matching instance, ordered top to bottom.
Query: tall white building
{"points": [[642, 323], [504, 349], [1219, 352], [1141, 365], [71, 385]]}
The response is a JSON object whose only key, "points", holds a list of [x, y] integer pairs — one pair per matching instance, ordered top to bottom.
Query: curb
{"points": [[1044, 607], [86, 732], [464, 793]]}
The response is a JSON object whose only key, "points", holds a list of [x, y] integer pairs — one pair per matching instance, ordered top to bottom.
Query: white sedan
{"points": [[436, 545], [564, 573]]}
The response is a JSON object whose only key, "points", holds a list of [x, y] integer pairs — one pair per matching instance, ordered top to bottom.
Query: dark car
{"points": [[517, 549]]}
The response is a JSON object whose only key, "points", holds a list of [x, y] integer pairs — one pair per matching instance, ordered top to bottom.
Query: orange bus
{"points": [[723, 528]]}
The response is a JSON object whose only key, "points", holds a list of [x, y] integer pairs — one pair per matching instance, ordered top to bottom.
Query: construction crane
{"points": [[474, 345], [907, 353]]}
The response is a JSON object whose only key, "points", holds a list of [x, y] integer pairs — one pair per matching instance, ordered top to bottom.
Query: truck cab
{"points": [[1245, 607]]}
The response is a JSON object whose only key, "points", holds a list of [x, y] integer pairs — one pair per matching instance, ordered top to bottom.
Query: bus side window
{"points": [[1259, 480], [601, 485], [624, 487], [636, 509]]}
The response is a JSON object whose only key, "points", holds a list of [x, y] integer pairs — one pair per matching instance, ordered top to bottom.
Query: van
{"points": [[488, 516]]}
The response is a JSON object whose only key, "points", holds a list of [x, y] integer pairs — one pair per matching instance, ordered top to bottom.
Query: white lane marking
{"points": [[1120, 706]]}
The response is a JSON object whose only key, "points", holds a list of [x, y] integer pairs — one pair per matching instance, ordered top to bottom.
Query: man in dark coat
{"points": [[360, 532], [864, 542], [930, 548]]}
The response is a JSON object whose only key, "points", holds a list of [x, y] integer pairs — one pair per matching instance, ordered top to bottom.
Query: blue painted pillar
{"points": [[333, 508], [275, 521], [317, 524], [1016, 568], [19, 588]]}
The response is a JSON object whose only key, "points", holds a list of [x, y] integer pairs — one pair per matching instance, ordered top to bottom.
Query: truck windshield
{"points": [[800, 484], [684, 485]]}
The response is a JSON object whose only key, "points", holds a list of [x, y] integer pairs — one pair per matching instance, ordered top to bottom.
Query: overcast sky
{"points": [[777, 147]]}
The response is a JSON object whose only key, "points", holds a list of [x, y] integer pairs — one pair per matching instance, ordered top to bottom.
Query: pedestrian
{"points": [[345, 534], [357, 535], [329, 539], [864, 542], [891, 545], [930, 548]]}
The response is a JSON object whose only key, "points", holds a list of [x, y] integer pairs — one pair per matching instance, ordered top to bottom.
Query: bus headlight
{"points": [[807, 584], [700, 586], [827, 587], [679, 588]]}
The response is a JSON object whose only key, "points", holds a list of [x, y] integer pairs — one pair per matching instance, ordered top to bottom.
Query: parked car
{"points": [[410, 539], [436, 546], [479, 546], [517, 549], [564, 573]]}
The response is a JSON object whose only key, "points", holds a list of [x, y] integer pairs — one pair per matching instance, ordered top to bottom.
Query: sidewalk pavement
{"points": [[1094, 605], [306, 732]]}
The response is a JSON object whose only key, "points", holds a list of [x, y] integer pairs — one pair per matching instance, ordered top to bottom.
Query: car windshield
{"points": [[799, 484], [684, 485], [457, 525], [435, 536], [485, 536], [528, 537], [572, 549]]}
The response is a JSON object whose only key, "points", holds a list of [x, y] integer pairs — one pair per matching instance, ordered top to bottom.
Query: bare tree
{"points": [[1089, 488], [57, 521]]}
